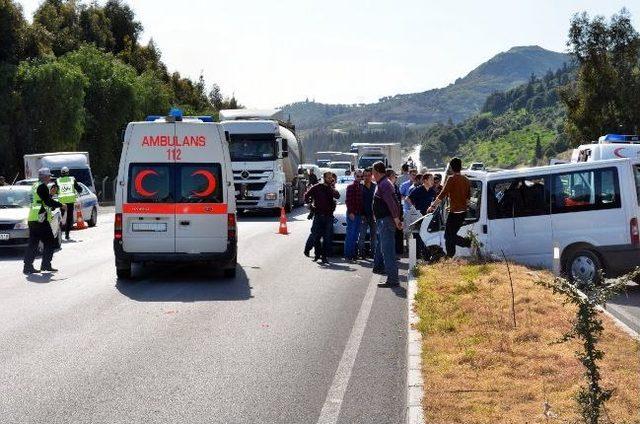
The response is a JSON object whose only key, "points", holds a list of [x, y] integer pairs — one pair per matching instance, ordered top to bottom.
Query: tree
{"points": [[60, 20], [96, 27], [124, 27], [12, 32], [604, 97], [50, 114], [538, 154]]}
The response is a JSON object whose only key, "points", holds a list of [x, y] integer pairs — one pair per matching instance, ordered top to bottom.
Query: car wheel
{"points": [[93, 221], [584, 266], [123, 270], [230, 272]]}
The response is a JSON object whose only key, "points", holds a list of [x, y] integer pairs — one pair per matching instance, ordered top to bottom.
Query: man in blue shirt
{"points": [[405, 189], [422, 196]]}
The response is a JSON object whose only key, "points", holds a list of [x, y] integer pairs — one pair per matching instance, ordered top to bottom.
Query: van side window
{"points": [[149, 183], [199, 183], [586, 190], [518, 197], [473, 212]]}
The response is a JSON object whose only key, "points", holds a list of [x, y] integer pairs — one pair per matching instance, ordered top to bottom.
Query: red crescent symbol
{"points": [[616, 152], [138, 183], [211, 183]]}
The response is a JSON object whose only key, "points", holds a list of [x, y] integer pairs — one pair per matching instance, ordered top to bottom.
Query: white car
{"points": [[89, 204], [14, 212]]}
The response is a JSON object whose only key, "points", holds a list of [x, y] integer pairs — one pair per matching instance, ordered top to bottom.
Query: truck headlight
{"points": [[271, 196], [22, 225]]}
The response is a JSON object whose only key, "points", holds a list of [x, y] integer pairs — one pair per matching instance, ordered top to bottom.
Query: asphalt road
{"points": [[626, 307], [184, 345]]}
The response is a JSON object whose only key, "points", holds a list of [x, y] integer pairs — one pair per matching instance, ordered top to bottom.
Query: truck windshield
{"points": [[252, 147], [367, 162], [340, 165], [82, 175]]}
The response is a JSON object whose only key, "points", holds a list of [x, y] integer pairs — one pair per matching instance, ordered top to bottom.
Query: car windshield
{"points": [[252, 147], [13, 198]]}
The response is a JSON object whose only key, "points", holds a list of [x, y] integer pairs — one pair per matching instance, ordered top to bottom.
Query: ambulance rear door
{"points": [[201, 189], [148, 208]]}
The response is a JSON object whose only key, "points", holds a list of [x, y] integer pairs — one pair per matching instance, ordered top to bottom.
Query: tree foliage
{"points": [[74, 77], [604, 97]]}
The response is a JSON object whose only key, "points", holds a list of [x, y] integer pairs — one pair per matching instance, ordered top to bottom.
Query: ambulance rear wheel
{"points": [[94, 218], [123, 270], [230, 272]]}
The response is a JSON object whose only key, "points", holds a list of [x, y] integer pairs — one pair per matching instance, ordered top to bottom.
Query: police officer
{"points": [[68, 190], [40, 216]]}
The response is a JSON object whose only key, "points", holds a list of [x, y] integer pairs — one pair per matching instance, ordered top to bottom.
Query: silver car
{"points": [[14, 212]]}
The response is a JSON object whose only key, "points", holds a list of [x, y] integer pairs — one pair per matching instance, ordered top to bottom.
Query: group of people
{"points": [[376, 202], [41, 214]]}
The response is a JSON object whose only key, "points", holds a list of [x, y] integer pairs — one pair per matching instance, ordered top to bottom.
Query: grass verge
{"points": [[478, 368]]}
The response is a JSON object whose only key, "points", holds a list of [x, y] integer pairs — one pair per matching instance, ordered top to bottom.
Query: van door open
{"points": [[148, 204], [201, 208]]}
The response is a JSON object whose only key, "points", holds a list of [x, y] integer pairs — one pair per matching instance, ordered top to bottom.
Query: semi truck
{"points": [[370, 153], [265, 155], [77, 162]]}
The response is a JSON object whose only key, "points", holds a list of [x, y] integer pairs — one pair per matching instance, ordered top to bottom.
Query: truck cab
{"points": [[265, 155], [174, 195]]}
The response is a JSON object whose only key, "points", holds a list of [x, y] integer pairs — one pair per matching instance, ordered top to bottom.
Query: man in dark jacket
{"points": [[323, 196], [386, 210], [354, 216], [39, 221], [367, 221]]}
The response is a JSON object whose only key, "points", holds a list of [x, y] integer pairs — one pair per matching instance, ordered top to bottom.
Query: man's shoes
{"points": [[67, 238], [306, 253], [316, 259], [324, 261], [48, 268], [28, 270], [378, 271], [388, 284]]}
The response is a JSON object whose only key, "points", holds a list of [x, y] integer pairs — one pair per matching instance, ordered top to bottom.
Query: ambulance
{"points": [[609, 146], [175, 199]]}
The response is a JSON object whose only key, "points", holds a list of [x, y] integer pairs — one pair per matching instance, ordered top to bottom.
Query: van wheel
{"points": [[93, 221], [584, 266], [123, 270], [230, 272]]}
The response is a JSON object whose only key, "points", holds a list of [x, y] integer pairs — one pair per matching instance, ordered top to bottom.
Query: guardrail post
{"points": [[104, 185], [413, 251], [556, 259]]}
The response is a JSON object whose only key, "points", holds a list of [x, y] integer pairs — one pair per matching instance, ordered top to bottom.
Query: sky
{"points": [[271, 53]]}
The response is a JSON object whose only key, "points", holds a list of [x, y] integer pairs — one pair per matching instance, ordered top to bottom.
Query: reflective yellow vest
{"points": [[67, 193], [37, 206]]}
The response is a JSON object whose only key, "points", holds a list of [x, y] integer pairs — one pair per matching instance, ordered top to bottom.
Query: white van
{"points": [[174, 197], [588, 210]]}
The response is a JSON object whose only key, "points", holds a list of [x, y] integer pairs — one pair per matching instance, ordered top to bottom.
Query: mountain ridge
{"points": [[456, 101]]}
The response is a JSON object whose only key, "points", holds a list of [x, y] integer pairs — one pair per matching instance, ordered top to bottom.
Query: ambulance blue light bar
{"points": [[176, 113], [152, 118], [205, 118], [619, 138]]}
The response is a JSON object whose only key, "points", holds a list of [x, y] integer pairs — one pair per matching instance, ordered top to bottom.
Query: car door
{"points": [[501, 202], [148, 206], [201, 210]]}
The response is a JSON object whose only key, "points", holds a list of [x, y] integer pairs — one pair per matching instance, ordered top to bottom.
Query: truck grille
{"points": [[250, 186], [7, 226]]}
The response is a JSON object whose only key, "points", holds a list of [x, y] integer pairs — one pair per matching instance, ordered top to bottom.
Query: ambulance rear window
{"points": [[150, 183], [199, 183]]}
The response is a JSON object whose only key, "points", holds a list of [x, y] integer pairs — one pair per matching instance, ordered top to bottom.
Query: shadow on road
{"points": [[298, 214], [184, 283], [630, 297]]}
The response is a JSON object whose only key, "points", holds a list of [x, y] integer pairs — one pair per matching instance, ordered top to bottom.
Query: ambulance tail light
{"points": [[231, 226], [117, 227], [634, 232]]}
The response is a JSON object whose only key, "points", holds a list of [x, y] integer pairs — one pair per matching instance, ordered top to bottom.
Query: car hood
{"points": [[14, 214]]}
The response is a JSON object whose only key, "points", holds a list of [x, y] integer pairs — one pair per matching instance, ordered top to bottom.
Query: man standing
{"points": [[404, 175], [313, 178], [406, 187], [458, 189], [68, 190], [322, 195], [423, 196], [387, 214], [354, 216], [367, 220], [39, 221]]}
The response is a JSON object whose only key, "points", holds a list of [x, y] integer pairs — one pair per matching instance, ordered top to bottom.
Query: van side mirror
{"points": [[285, 148]]}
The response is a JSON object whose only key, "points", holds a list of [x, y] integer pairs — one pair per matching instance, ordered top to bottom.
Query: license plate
{"points": [[149, 227], [4, 236]]}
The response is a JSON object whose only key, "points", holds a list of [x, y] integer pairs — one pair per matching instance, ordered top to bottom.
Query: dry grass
{"points": [[479, 369]]}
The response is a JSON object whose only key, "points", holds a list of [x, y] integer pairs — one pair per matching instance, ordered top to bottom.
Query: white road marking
{"points": [[332, 405]]}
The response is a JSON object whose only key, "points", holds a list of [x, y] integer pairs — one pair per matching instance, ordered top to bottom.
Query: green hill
{"points": [[457, 101], [523, 125]]}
